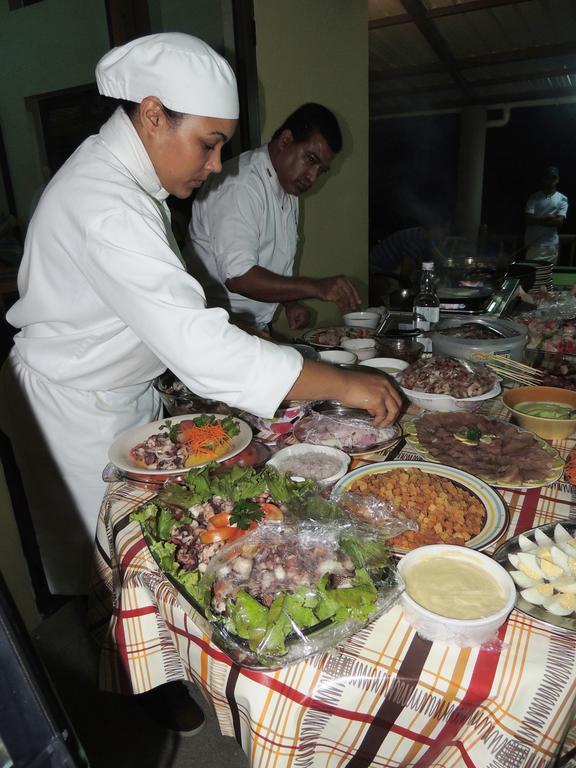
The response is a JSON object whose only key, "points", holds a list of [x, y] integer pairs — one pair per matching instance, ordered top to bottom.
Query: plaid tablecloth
{"points": [[384, 698]]}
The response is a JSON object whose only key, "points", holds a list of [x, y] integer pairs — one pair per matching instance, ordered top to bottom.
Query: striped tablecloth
{"points": [[384, 698]]}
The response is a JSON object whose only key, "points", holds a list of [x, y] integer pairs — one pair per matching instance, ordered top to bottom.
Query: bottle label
{"points": [[429, 314]]}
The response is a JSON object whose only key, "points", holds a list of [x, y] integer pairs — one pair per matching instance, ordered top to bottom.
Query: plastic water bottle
{"points": [[426, 305]]}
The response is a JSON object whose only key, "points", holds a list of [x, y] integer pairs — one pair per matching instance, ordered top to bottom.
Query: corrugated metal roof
{"points": [[437, 54]]}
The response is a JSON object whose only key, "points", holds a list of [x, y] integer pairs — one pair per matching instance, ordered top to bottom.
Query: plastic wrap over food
{"points": [[552, 325], [351, 434], [383, 516], [286, 591]]}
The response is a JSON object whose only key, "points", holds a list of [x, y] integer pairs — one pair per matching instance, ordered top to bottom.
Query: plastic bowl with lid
{"points": [[511, 343], [362, 348], [447, 403], [548, 428], [322, 463], [481, 575]]}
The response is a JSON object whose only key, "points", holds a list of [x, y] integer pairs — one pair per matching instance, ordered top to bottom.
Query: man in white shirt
{"points": [[545, 211], [243, 232]]}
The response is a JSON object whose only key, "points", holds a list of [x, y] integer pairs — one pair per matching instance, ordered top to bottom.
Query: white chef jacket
{"points": [[541, 204], [241, 219], [105, 306]]}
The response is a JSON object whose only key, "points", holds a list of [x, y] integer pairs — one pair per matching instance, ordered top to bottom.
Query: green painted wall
{"points": [[43, 47], [318, 51]]}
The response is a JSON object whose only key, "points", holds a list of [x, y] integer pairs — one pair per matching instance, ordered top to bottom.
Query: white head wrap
{"points": [[182, 71]]}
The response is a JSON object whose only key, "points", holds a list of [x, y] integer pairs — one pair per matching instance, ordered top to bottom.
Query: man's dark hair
{"points": [[309, 119]]}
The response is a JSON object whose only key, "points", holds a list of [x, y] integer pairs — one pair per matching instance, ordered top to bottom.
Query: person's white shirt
{"points": [[541, 204], [242, 218], [106, 305]]}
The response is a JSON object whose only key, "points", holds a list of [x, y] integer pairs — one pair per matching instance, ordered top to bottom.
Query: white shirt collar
{"points": [[123, 141], [283, 196]]}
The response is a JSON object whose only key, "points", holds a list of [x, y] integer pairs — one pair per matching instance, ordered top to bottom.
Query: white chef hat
{"points": [[182, 71]]}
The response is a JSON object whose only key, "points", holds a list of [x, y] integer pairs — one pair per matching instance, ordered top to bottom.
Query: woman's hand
{"points": [[373, 392]]}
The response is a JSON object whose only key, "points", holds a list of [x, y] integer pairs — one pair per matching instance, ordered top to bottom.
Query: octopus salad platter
{"points": [[328, 338], [172, 446], [496, 451], [242, 548]]}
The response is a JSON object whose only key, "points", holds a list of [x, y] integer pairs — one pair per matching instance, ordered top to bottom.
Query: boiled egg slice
{"points": [[561, 534], [542, 539], [526, 544], [559, 558], [528, 564], [550, 570], [523, 580], [565, 584], [538, 594], [560, 605]]}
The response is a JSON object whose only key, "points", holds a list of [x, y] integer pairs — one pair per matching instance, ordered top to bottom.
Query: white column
{"points": [[471, 170]]}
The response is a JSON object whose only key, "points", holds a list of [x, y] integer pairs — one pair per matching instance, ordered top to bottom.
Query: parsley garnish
{"points": [[173, 430], [245, 512]]}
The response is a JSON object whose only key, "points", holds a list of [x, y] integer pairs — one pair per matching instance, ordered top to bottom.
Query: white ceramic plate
{"points": [[411, 435], [119, 451], [496, 511], [536, 611]]}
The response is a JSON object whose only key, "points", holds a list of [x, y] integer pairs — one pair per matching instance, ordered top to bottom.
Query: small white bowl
{"points": [[362, 319], [362, 348], [338, 356], [390, 365], [447, 403], [307, 449], [461, 632]]}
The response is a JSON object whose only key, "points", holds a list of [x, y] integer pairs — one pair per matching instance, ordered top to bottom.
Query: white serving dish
{"points": [[362, 319], [362, 348], [338, 356], [383, 363], [447, 403], [307, 448], [119, 451], [460, 632]]}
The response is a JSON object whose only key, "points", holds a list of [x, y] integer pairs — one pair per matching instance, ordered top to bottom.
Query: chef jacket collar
{"points": [[123, 141], [284, 197]]}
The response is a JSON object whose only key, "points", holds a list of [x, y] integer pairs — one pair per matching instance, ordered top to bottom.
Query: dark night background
{"points": [[413, 168]]}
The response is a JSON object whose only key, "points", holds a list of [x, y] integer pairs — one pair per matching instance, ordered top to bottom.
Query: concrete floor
{"points": [[113, 730]]}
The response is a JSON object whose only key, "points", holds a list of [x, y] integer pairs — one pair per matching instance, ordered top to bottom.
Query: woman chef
{"points": [[106, 304]]}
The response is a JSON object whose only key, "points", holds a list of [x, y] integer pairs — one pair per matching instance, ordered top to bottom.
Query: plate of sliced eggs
{"points": [[542, 563]]}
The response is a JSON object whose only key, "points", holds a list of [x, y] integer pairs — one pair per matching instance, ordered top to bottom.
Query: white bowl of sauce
{"points": [[390, 365], [321, 463], [455, 594]]}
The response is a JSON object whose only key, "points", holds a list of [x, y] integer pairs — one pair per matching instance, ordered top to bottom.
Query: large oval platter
{"points": [[119, 451], [555, 473], [496, 512], [536, 611]]}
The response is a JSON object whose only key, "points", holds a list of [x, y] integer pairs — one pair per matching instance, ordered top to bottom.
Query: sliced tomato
{"points": [[271, 511], [221, 520], [217, 534]]}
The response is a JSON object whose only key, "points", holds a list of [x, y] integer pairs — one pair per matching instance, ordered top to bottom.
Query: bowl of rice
{"points": [[321, 463]]}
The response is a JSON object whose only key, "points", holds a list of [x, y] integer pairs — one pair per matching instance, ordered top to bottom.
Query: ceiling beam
{"points": [[447, 10], [435, 40], [503, 57], [565, 71], [524, 97]]}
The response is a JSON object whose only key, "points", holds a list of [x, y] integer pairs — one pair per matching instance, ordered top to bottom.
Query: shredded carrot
{"points": [[207, 441]]}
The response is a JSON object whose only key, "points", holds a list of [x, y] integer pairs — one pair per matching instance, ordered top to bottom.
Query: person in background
{"points": [[545, 211], [243, 231], [403, 252]]}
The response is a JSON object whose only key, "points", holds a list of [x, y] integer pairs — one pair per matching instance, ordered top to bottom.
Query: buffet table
{"points": [[384, 698]]}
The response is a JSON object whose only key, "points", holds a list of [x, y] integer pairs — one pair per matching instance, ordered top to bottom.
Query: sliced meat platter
{"points": [[486, 447]]}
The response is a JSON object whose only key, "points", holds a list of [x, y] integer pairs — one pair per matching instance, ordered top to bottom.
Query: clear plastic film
{"points": [[348, 433], [384, 516], [290, 590]]}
